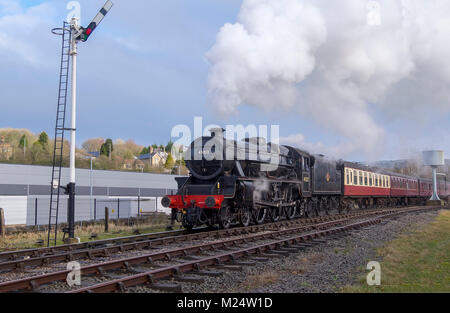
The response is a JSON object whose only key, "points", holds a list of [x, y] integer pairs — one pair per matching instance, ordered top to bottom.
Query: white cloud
{"points": [[9, 7], [23, 33], [321, 59]]}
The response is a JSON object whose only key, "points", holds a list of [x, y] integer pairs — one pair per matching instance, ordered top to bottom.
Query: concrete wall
{"points": [[24, 190]]}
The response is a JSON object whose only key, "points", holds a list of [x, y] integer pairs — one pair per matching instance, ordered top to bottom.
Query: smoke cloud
{"points": [[339, 63]]}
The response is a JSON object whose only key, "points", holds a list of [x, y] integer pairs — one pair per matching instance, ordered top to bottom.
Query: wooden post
{"points": [[106, 219], [2, 223]]}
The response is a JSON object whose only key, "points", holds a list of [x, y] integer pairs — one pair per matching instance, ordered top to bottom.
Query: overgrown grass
{"points": [[29, 239], [415, 262]]}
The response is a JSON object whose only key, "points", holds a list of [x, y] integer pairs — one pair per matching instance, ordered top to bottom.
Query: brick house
{"points": [[6, 150]]}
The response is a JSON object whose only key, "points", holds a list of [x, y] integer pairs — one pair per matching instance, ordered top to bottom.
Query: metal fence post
{"points": [[139, 206], [118, 208], [95, 210], [35, 212], [106, 219], [2, 223]]}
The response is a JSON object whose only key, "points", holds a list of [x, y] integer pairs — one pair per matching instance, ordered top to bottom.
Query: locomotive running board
{"points": [[269, 180], [272, 204]]}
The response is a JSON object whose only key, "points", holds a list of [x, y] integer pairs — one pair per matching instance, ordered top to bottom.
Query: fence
{"points": [[92, 210]]}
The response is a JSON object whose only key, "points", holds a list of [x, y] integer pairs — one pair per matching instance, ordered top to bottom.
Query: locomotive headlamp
{"points": [[166, 202], [210, 202]]}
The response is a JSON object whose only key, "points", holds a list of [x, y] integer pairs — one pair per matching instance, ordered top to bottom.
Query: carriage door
{"points": [[306, 175]]}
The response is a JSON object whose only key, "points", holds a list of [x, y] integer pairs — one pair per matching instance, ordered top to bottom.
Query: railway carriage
{"points": [[425, 188]]}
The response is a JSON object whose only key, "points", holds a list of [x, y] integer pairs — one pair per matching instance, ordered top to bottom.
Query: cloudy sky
{"points": [[357, 79]]}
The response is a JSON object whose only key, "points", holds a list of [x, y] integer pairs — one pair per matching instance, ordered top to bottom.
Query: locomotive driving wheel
{"points": [[290, 212], [275, 214], [259, 215], [245, 216], [225, 218]]}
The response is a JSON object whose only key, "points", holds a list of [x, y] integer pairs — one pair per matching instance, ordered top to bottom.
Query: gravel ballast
{"points": [[325, 267]]}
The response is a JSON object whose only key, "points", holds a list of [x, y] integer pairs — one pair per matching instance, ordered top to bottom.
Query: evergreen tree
{"points": [[43, 139], [24, 142], [169, 146], [107, 148], [145, 150], [169, 162]]}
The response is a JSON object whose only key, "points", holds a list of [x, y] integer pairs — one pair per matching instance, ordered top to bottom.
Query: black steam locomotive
{"points": [[252, 181]]}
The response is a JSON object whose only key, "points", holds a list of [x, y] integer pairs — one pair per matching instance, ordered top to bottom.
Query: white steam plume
{"points": [[333, 62]]}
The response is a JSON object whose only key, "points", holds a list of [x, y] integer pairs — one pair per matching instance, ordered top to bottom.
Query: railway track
{"points": [[228, 253], [31, 258]]}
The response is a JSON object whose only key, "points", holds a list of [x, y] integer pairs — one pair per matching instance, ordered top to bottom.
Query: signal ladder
{"points": [[66, 34]]}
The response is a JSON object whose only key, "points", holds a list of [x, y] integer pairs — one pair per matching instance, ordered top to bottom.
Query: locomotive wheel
{"points": [[290, 212], [275, 214], [259, 215], [245, 217], [225, 218]]}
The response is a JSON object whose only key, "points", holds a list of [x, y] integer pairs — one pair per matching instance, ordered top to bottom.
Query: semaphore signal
{"points": [[71, 34]]}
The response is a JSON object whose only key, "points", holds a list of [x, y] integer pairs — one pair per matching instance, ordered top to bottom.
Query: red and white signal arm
{"points": [[96, 21]]}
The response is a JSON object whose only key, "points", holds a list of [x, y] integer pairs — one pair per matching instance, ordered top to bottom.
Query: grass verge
{"points": [[29, 239], [415, 262]]}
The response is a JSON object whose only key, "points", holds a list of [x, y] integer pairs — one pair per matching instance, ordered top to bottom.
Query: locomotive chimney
{"points": [[217, 132]]}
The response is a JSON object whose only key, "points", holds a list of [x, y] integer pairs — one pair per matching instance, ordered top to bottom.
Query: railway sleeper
{"points": [[279, 251], [259, 259], [244, 263], [234, 268], [208, 273], [188, 279], [166, 287]]}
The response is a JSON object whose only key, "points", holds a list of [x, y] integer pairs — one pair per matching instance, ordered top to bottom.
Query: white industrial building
{"points": [[25, 189]]}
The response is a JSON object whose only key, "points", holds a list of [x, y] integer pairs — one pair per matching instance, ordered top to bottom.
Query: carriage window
{"points": [[348, 177], [355, 178], [360, 178], [365, 178], [370, 179], [382, 181]]}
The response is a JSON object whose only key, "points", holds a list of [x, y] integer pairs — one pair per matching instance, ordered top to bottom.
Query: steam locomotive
{"points": [[253, 181]]}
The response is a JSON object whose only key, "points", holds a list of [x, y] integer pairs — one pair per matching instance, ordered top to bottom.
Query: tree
{"points": [[43, 139], [24, 142], [93, 144], [154, 146], [169, 146], [107, 148], [145, 150], [169, 162]]}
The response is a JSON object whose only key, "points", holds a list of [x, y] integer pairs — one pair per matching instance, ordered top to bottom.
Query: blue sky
{"points": [[143, 71]]}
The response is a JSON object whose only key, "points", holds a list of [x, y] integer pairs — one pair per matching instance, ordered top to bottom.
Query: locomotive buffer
{"points": [[71, 34]]}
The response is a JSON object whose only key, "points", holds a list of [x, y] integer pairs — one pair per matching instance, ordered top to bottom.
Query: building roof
{"points": [[41, 175]]}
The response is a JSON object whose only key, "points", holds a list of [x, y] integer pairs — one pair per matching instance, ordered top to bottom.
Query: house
{"points": [[6, 150], [154, 158], [127, 164], [130, 164], [139, 165]]}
